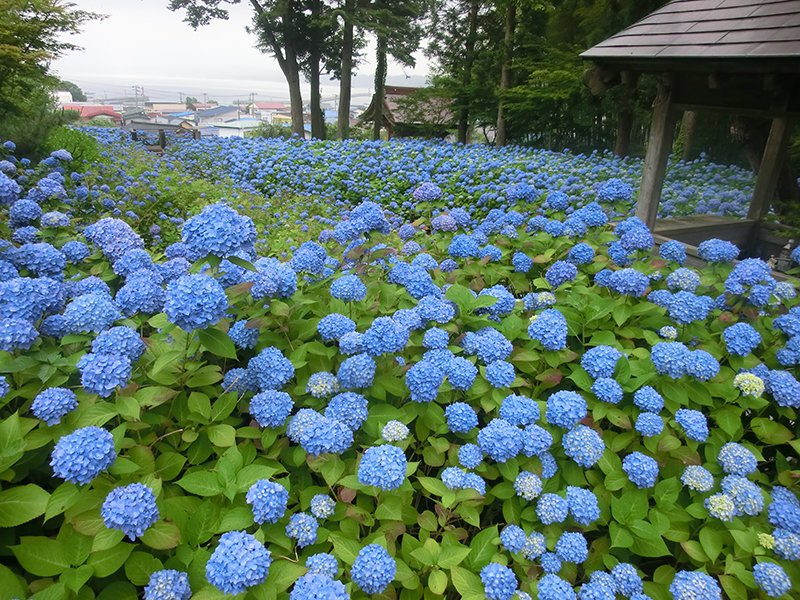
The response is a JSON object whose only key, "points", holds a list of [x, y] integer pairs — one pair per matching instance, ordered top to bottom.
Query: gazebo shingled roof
{"points": [[736, 56]]}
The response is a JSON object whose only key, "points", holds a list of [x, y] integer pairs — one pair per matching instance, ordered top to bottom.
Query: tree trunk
{"points": [[315, 57], [346, 81], [466, 81], [380, 87], [295, 93], [317, 116], [688, 128], [501, 137], [622, 147]]}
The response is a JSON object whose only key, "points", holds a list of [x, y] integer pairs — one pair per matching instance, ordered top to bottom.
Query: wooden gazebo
{"points": [[737, 56]]}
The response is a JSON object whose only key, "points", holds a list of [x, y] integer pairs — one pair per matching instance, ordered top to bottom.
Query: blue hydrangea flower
{"points": [[218, 230], [114, 237], [673, 250], [717, 251], [581, 254], [132, 261], [521, 262], [560, 272], [273, 279], [683, 279], [629, 282], [348, 288], [140, 294], [195, 301], [685, 307], [334, 326], [550, 329], [16, 334], [242, 336], [383, 336], [435, 339], [741, 339], [119, 340], [670, 358], [601, 361], [701, 365], [270, 369], [356, 371], [461, 373], [101, 374], [500, 374], [423, 381], [322, 384], [4, 387], [607, 390], [648, 399], [53, 403], [271, 408], [349, 408], [565, 409], [519, 410], [461, 417], [649, 424], [694, 424], [394, 431], [319, 434], [500, 440], [583, 445], [83, 454], [470, 455], [736, 459], [383, 466], [641, 469], [697, 478], [528, 485], [746, 495], [268, 500], [583, 505], [322, 506], [721, 506], [551, 508], [131, 509], [303, 528], [513, 538], [787, 544], [534, 546], [572, 547], [238, 562], [322, 563], [551, 564], [373, 570], [627, 579], [772, 579], [499, 582], [168, 584], [694, 585], [312, 586]]}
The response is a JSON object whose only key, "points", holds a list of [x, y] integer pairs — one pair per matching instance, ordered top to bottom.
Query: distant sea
{"points": [[163, 89]]}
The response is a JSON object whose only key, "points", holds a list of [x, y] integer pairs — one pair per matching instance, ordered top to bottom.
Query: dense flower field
{"points": [[319, 370]]}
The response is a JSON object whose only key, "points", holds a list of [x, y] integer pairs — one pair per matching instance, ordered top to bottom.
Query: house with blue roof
{"points": [[215, 116]]}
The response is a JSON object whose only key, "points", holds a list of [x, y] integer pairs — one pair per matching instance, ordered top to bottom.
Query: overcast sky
{"points": [[141, 42]]}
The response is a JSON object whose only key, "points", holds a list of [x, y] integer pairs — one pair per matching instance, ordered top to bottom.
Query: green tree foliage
{"points": [[32, 33], [72, 88], [544, 98]]}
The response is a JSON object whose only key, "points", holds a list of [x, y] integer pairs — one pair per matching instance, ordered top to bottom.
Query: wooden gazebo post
{"points": [[659, 146], [771, 165]]}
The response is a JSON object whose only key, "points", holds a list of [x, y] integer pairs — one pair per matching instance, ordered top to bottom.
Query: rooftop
{"points": [[723, 30]]}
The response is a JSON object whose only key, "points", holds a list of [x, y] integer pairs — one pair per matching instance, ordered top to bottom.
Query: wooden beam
{"points": [[659, 146], [771, 165]]}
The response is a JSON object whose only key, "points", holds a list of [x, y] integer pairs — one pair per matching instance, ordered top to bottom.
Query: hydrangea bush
{"points": [[517, 397]]}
